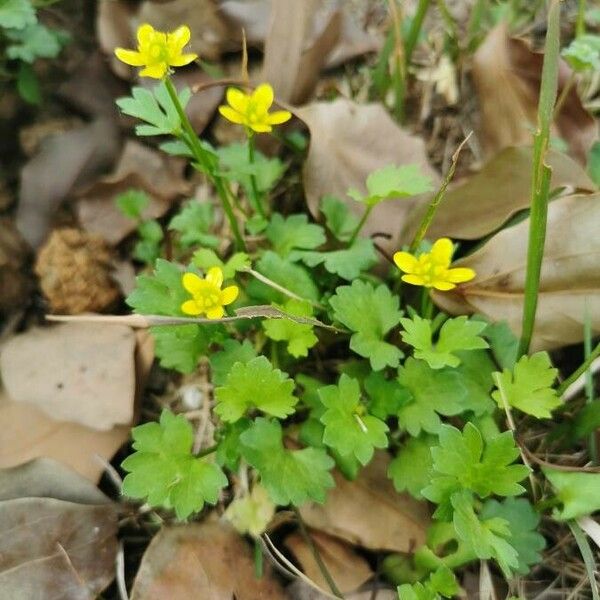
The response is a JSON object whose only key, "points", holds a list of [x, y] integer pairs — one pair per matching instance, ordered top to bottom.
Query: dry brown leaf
{"points": [[114, 29], [507, 77], [348, 142], [66, 160], [140, 167], [489, 198], [570, 279], [14, 284], [78, 372], [29, 433], [369, 512], [58, 535], [207, 560], [347, 568]]}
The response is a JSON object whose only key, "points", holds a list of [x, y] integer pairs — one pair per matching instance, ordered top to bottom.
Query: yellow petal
{"points": [[145, 33], [179, 38], [130, 57], [182, 60], [157, 71], [263, 95], [237, 99], [232, 115], [279, 116], [260, 127], [442, 251], [405, 261], [460, 275], [215, 276], [414, 280], [192, 283], [443, 285], [229, 294], [189, 307], [215, 313]]}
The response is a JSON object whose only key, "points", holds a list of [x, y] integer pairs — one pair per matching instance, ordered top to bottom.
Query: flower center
{"points": [[158, 52], [430, 270], [208, 297]]}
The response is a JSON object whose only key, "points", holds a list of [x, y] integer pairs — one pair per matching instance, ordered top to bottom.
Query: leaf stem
{"points": [[580, 26], [398, 75], [204, 161], [541, 175], [257, 201], [361, 223], [590, 358], [589, 381], [207, 451], [316, 555]]}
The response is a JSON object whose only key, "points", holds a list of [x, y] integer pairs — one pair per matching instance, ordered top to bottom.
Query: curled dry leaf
{"points": [[507, 75], [348, 142], [65, 160], [140, 167], [489, 198], [570, 278], [77, 372], [369, 512], [59, 534], [207, 560], [347, 568]]}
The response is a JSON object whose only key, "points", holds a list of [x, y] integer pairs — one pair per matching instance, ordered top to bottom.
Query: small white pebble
{"points": [[192, 397]]}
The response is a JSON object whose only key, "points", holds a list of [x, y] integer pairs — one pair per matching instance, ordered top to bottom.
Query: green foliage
{"points": [[17, 14], [33, 42], [583, 53], [594, 163], [393, 182], [132, 203], [338, 218], [193, 223], [295, 231], [147, 248], [205, 258], [370, 313], [455, 335], [300, 337], [503, 342], [180, 347], [232, 352], [255, 384], [528, 387], [386, 396], [349, 429], [229, 451], [463, 461], [410, 469], [164, 472], [289, 476], [577, 492], [523, 521], [440, 584]]}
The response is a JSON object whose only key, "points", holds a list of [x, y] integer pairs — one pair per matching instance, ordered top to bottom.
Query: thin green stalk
{"points": [[580, 26], [474, 27], [415, 30], [398, 75], [203, 160], [541, 175], [257, 201], [361, 223], [590, 358], [589, 380], [207, 451], [587, 555], [258, 560]]}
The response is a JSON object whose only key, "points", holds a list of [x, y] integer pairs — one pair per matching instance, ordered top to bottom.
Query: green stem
{"points": [[580, 26], [415, 30], [398, 74], [204, 161], [541, 175], [256, 199], [362, 221], [590, 358], [589, 380], [207, 451], [258, 560], [322, 566]]}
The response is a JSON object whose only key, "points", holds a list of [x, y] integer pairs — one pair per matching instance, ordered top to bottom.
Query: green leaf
{"points": [[16, 14], [33, 42], [583, 53], [28, 84], [155, 108], [593, 165], [236, 166], [393, 182], [132, 203], [338, 218], [193, 222], [150, 231], [293, 232], [204, 258], [348, 263], [288, 275], [161, 293], [370, 313], [455, 335], [299, 337], [503, 342], [180, 347], [233, 352], [255, 384], [529, 386], [437, 392], [387, 396], [349, 429], [229, 451], [462, 461], [410, 469], [163, 470], [290, 476], [578, 493], [252, 513], [523, 521], [489, 538], [441, 584]]}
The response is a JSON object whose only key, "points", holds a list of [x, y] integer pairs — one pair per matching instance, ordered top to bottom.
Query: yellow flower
{"points": [[158, 51], [252, 110], [432, 269], [207, 295]]}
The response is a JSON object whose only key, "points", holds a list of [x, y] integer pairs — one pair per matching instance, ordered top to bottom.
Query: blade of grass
{"points": [[580, 26], [540, 185], [589, 380], [587, 555]]}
